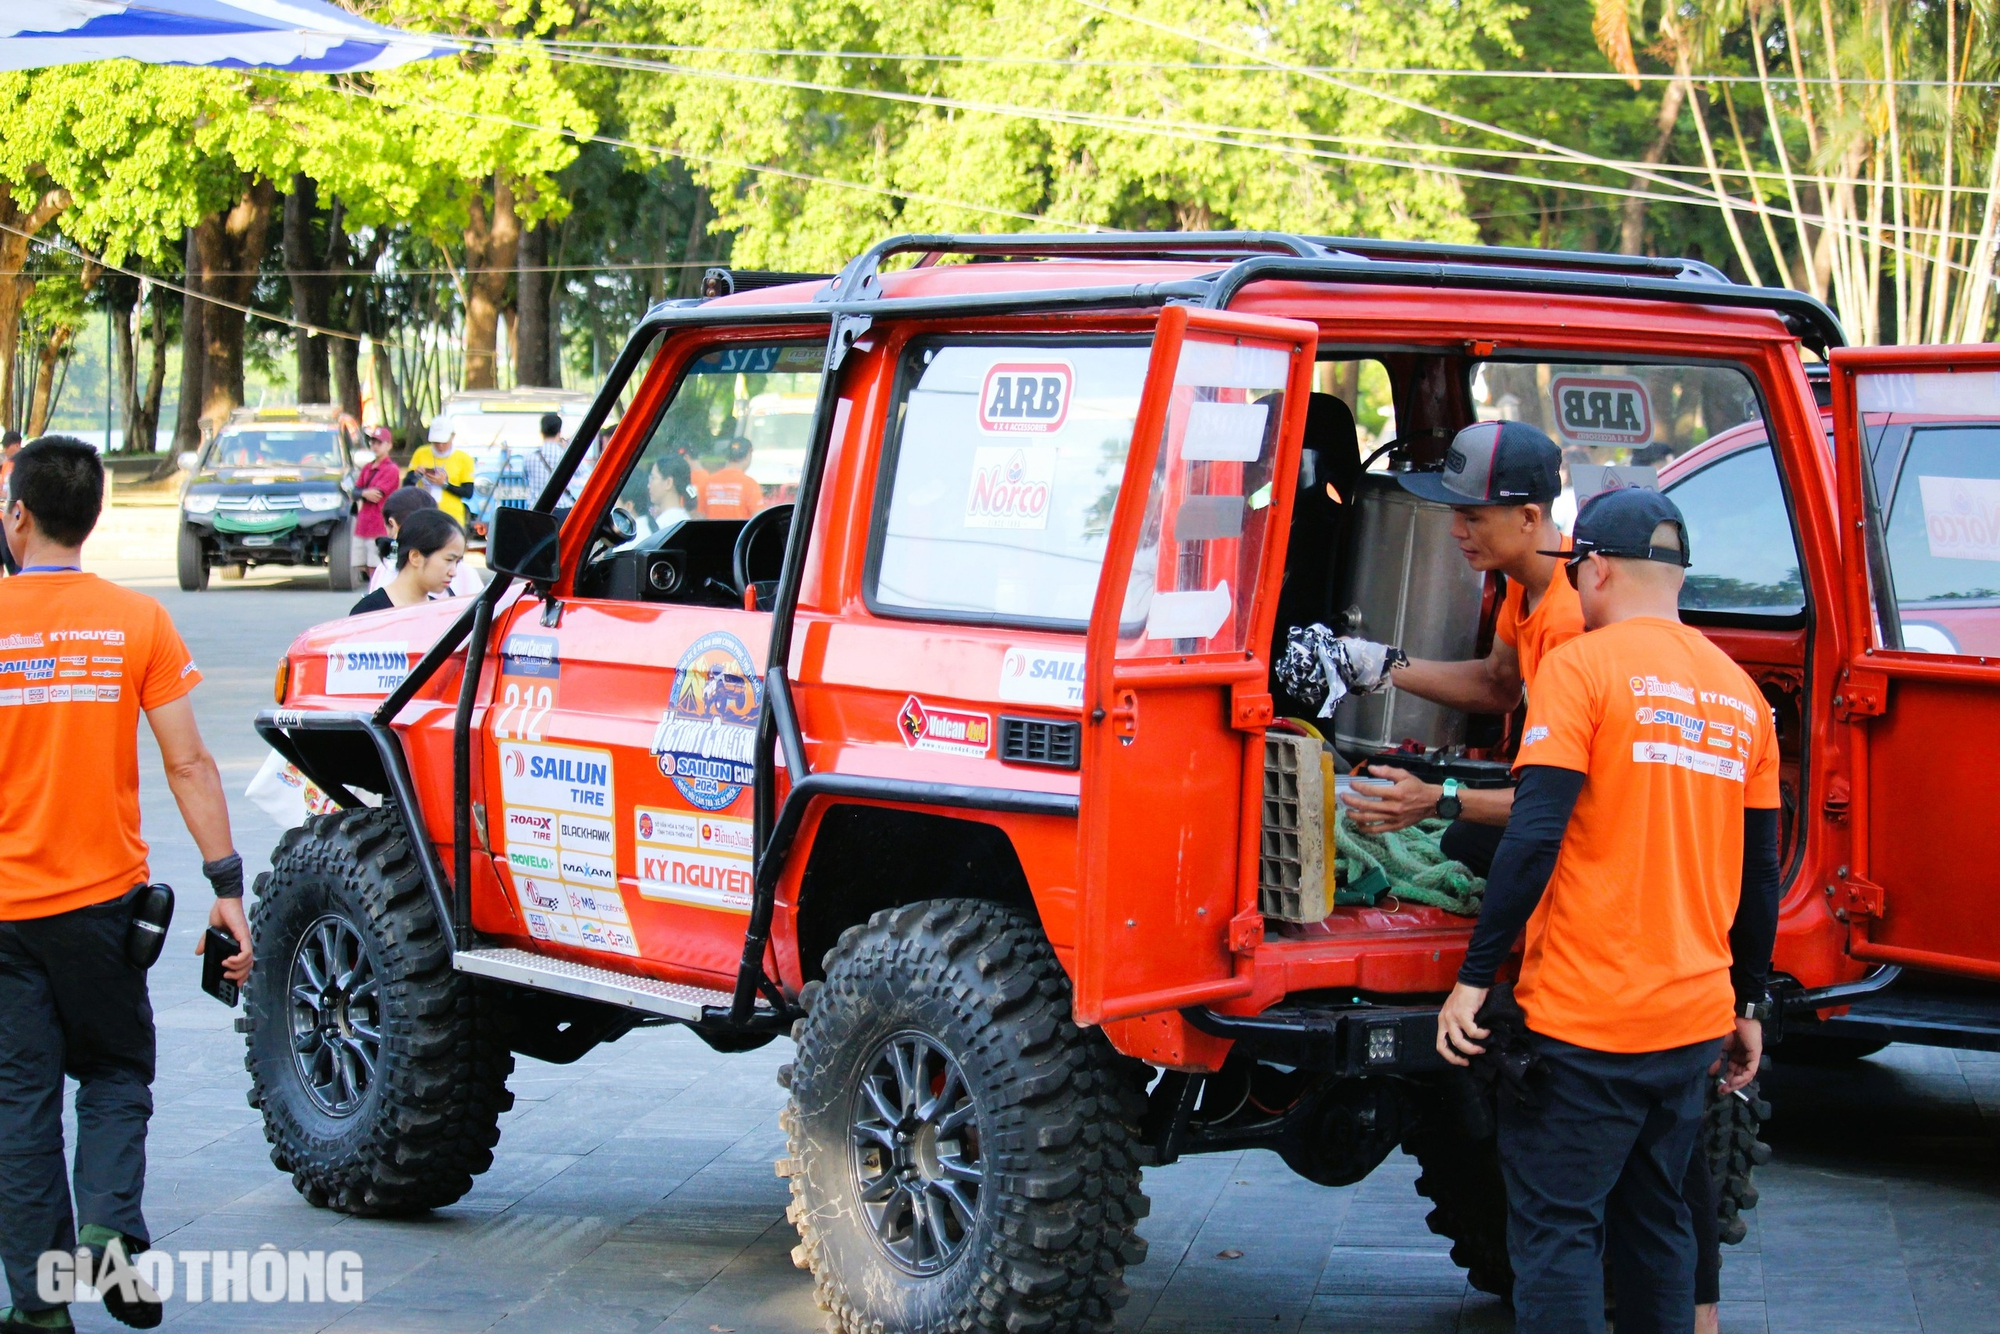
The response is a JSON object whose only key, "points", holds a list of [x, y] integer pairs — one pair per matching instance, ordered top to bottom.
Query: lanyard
{"points": [[51, 569]]}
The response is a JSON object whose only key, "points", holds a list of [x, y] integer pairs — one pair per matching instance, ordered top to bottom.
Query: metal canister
{"points": [[1405, 582]]}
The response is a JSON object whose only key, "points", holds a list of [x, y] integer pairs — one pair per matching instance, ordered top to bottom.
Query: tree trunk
{"points": [[22, 223], [1632, 226], [492, 239], [230, 253], [689, 283], [310, 284], [554, 295], [531, 308], [194, 339], [123, 354], [47, 356], [144, 423]]}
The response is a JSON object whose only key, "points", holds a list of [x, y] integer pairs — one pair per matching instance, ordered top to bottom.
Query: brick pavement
{"points": [[633, 1191]]}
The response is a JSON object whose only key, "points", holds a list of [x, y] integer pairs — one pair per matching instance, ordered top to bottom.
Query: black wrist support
{"points": [[225, 874]]}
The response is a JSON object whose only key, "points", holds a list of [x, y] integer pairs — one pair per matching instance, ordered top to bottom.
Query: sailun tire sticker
{"points": [[707, 737]]}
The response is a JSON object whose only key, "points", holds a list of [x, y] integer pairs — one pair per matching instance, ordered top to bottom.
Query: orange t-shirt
{"points": [[728, 493], [1556, 619], [79, 659], [1629, 949]]}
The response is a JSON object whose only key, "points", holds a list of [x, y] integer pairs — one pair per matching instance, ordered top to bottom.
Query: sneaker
{"points": [[127, 1297], [13, 1320]]}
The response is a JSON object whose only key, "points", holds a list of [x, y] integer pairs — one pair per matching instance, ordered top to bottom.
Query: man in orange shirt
{"points": [[1500, 479], [729, 492], [80, 659], [1642, 858]]}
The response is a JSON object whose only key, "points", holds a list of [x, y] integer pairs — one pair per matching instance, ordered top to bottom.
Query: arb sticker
{"points": [[1030, 397], [1602, 410], [1011, 486], [952, 731], [707, 735]]}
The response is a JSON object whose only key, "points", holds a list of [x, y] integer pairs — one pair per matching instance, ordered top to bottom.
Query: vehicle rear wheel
{"points": [[340, 558], [190, 561], [380, 1071], [963, 1156], [1461, 1178]]}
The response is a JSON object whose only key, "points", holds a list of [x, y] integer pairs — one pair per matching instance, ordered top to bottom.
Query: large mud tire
{"points": [[342, 572], [425, 1120], [1053, 1132], [1729, 1138], [1461, 1178]]}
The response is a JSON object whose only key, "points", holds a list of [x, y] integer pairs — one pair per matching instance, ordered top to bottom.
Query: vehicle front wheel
{"points": [[341, 558], [191, 563], [380, 1071], [963, 1156]]}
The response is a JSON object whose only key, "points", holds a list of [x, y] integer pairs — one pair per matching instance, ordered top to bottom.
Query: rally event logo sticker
{"points": [[1026, 397], [1602, 409], [952, 731], [707, 736]]}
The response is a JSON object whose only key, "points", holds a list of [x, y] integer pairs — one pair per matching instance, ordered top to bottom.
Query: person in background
{"points": [[10, 445], [542, 464], [446, 472], [375, 483], [729, 492], [398, 508], [429, 547], [1642, 861], [72, 1001]]}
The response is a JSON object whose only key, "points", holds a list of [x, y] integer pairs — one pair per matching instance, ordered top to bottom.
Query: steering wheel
{"points": [[775, 520]]}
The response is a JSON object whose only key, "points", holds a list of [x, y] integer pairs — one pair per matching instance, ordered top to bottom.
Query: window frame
{"points": [[892, 446], [1892, 492], [1723, 616]]}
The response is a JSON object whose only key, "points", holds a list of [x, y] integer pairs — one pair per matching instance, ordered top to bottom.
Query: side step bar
{"points": [[521, 968]]}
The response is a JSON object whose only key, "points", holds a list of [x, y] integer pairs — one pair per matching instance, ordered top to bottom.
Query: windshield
{"points": [[488, 435], [263, 447]]}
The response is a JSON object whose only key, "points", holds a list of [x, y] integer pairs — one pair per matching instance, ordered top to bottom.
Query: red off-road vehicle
{"points": [[974, 784]]}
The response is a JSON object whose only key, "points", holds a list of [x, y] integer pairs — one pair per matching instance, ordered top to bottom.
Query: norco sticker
{"points": [[1030, 397], [1602, 410], [1011, 486], [1961, 517], [531, 655], [366, 669], [1041, 676], [952, 731], [707, 736], [556, 778]]}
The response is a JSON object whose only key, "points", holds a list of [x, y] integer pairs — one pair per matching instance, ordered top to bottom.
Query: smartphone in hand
{"points": [[219, 948]]}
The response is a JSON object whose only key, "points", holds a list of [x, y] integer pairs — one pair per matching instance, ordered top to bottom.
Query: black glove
{"points": [[225, 874], [1509, 1064]]}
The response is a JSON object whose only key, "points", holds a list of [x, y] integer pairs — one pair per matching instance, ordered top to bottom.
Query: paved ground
{"points": [[633, 1191]]}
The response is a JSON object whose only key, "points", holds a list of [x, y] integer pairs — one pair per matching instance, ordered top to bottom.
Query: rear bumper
{"points": [[1352, 1040]]}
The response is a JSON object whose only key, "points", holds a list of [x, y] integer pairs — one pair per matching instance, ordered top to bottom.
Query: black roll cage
{"points": [[849, 304]]}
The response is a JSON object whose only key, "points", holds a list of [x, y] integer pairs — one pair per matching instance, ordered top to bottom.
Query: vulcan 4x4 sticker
{"points": [[952, 731], [707, 735]]}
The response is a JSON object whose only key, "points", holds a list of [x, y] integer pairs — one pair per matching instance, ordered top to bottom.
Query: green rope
{"points": [[1408, 864]]}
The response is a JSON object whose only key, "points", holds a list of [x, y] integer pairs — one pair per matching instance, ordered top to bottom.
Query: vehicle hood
{"points": [[338, 663]]}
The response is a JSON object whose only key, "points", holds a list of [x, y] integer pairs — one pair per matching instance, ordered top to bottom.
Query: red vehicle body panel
{"points": [[1183, 793]]}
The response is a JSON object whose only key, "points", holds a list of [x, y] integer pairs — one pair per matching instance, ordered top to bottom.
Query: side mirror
{"points": [[187, 459], [524, 543]]}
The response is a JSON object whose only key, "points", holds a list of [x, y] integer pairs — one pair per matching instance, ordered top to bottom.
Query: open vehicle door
{"points": [[1176, 671], [1923, 686]]}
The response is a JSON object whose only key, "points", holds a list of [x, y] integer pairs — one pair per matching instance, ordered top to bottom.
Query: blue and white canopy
{"points": [[309, 35]]}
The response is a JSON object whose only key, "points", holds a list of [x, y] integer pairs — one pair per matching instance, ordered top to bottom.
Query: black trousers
{"points": [[70, 1003], [1599, 1163]]}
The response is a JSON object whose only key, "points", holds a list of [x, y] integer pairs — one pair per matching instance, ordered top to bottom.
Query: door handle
{"points": [[1125, 717]]}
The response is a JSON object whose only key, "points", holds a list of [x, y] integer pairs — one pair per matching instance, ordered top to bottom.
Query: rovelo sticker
{"points": [[1026, 397], [1602, 409], [1011, 486], [1041, 676], [952, 731], [707, 736]]}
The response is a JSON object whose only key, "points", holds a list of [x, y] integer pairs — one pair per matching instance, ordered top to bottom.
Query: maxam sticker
{"points": [[1026, 397], [1602, 409], [1011, 487], [366, 669], [1041, 676], [952, 731], [706, 737], [581, 868]]}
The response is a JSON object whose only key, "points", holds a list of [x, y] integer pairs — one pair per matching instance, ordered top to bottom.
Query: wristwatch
{"points": [[1449, 807], [1760, 1009]]}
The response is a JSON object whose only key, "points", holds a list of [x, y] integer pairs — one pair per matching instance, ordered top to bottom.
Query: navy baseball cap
{"points": [[1493, 463], [1620, 522]]}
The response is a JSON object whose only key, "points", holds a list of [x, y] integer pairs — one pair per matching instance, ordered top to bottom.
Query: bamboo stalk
{"points": [[1715, 177], [1756, 193], [1896, 210], [1814, 281], [1940, 288]]}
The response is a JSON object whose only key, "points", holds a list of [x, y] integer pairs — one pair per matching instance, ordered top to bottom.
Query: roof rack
{"points": [[1691, 270], [723, 281]]}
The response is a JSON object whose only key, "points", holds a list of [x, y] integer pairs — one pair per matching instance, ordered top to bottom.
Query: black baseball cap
{"points": [[1493, 463], [1620, 522]]}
